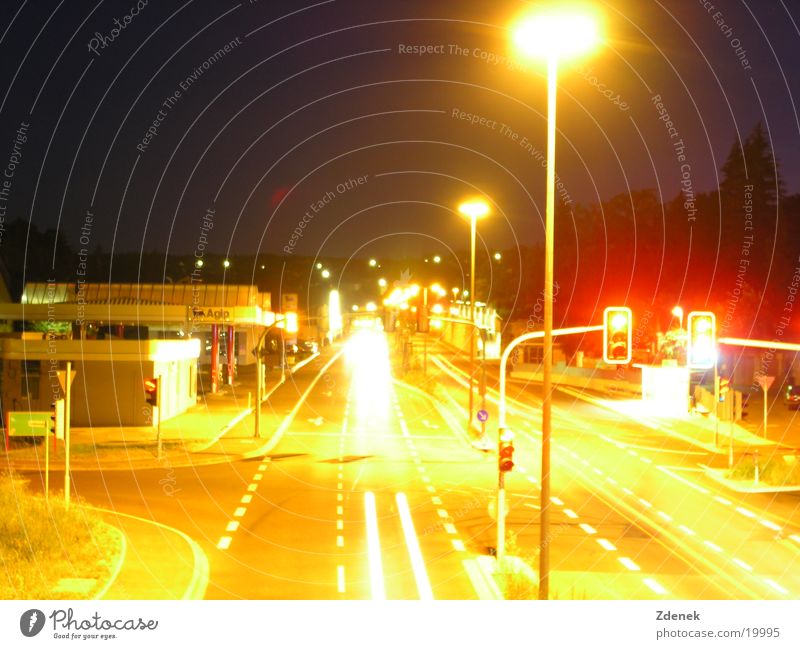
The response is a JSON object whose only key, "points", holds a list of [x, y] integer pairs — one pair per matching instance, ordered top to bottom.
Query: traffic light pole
{"points": [[716, 404], [158, 408], [67, 411], [501, 515]]}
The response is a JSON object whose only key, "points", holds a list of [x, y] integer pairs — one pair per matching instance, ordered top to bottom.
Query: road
{"points": [[373, 492]]}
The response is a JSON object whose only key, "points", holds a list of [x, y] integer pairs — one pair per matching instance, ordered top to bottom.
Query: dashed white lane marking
{"points": [[646, 460], [262, 467], [258, 477], [611, 480], [252, 487], [431, 488], [339, 497], [247, 499], [436, 500], [722, 500], [557, 501], [645, 503], [339, 510], [239, 512], [745, 512], [442, 513], [570, 513], [665, 516], [340, 524], [771, 525], [232, 526], [450, 528], [587, 528], [687, 530], [795, 538], [340, 541], [224, 543], [458, 545], [606, 545], [713, 546], [373, 547], [414, 553], [628, 563], [742, 564], [340, 585], [653, 585], [776, 586]]}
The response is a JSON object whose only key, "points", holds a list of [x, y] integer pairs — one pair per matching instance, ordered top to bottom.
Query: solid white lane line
{"points": [[688, 483], [232, 526], [587, 528], [224, 543], [606, 544], [374, 547], [414, 553], [628, 563], [742, 564], [653, 585], [340, 586]]}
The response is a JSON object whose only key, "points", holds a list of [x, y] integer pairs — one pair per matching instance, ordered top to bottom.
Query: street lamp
{"points": [[551, 35], [475, 209], [226, 263], [373, 263], [326, 273], [678, 313]]}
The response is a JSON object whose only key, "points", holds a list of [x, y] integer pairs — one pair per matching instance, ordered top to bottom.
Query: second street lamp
{"points": [[551, 35], [474, 209]]}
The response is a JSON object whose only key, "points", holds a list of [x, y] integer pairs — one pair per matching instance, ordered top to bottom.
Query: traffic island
{"points": [[759, 473], [51, 552]]}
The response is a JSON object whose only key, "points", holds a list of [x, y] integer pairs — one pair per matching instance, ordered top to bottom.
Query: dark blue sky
{"points": [[260, 110]]}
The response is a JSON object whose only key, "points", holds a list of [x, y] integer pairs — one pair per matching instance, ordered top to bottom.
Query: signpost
{"points": [[65, 378], [765, 382], [483, 416], [32, 424]]}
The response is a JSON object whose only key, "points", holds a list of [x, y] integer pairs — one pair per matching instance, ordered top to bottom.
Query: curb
{"points": [[740, 485], [120, 560], [200, 576]]}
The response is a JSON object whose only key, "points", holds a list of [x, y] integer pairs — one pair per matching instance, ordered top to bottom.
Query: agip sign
{"points": [[211, 315]]}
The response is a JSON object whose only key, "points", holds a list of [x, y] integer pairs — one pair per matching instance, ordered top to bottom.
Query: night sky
{"points": [[261, 111]]}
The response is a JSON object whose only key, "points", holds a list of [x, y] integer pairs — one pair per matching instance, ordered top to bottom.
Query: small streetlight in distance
{"points": [[552, 35], [497, 256], [437, 259], [198, 263], [226, 263], [373, 263], [319, 266], [326, 273], [382, 282], [356, 307], [678, 313]]}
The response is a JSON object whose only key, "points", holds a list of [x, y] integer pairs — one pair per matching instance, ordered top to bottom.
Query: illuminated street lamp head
{"points": [[561, 32], [474, 208], [498, 256], [437, 259], [198, 263], [226, 263], [373, 263], [319, 266], [326, 273], [382, 282], [677, 312]]}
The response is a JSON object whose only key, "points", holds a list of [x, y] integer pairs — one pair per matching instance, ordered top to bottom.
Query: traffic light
{"points": [[617, 332], [701, 348], [724, 388], [151, 391], [56, 427], [505, 451]]}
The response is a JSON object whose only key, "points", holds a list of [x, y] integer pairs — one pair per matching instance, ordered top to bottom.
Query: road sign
{"points": [[62, 375], [765, 382], [483, 415], [28, 424]]}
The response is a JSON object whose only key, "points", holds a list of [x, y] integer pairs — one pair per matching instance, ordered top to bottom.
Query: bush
{"points": [[773, 471], [42, 542]]}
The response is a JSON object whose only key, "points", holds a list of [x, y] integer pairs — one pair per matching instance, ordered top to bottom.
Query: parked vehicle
{"points": [[791, 396]]}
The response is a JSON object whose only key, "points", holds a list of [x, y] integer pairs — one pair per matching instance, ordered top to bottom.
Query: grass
{"points": [[773, 471], [41, 543], [515, 574]]}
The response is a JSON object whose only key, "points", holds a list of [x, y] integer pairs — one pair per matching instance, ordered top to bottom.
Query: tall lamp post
{"points": [[552, 36], [474, 209]]}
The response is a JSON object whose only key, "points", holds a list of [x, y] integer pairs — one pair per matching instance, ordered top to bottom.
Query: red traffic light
{"points": [[617, 335], [151, 391], [505, 452]]}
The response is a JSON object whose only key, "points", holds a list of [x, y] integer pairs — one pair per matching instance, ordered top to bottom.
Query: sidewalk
{"points": [[186, 438]]}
